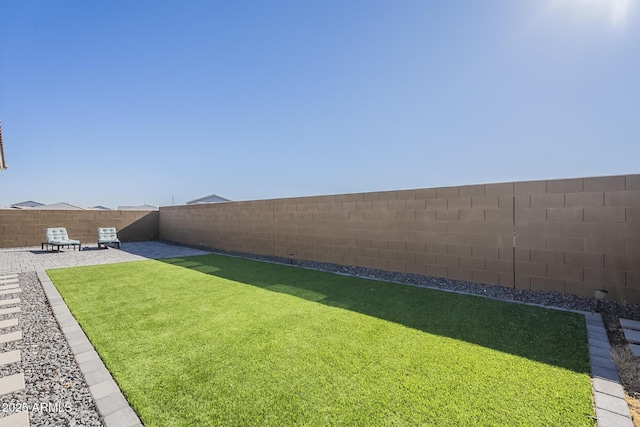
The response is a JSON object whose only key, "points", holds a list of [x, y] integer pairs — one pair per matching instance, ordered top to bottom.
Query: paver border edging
{"points": [[110, 403], [612, 409]]}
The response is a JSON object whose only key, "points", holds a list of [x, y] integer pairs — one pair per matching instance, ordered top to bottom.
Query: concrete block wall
{"points": [[25, 227], [568, 235], [575, 235]]}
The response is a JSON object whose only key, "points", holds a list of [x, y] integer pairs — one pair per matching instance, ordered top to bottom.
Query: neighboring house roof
{"points": [[3, 165], [212, 198], [27, 204], [60, 206], [144, 207], [102, 208]]}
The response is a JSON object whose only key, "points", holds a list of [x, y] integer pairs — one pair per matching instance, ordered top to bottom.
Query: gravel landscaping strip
{"points": [[56, 393]]}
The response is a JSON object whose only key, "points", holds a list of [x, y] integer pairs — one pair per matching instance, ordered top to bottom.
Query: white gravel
{"points": [[55, 391]]}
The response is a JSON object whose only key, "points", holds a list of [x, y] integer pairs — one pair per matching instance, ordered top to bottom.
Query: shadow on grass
{"points": [[543, 335]]}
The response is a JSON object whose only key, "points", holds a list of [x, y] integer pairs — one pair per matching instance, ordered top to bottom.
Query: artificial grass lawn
{"points": [[215, 340]]}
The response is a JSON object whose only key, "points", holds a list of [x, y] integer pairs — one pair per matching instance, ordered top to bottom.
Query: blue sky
{"points": [[124, 103]]}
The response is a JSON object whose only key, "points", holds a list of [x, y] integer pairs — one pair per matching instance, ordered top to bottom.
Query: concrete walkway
{"points": [[611, 407]]}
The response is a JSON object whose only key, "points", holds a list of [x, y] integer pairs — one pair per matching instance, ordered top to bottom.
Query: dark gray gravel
{"points": [[55, 391]]}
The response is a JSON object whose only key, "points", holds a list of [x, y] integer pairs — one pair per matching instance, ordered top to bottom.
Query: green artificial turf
{"points": [[215, 340]]}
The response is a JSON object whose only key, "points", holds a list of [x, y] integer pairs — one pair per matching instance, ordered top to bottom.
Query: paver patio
{"points": [[19, 260]]}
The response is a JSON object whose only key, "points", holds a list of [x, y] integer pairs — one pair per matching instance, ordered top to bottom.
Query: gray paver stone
{"points": [[9, 301], [57, 304], [9, 310], [61, 310], [592, 319], [67, 322], [8, 323], [630, 324], [596, 326], [68, 329], [72, 335], [598, 335], [13, 336], [632, 336], [78, 340], [599, 343], [81, 348], [635, 349], [599, 352], [87, 356], [9, 357], [603, 362], [91, 366], [604, 373], [97, 376], [11, 383], [609, 387], [103, 389], [110, 404], [614, 404], [122, 418], [19, 419], [611, 419]]}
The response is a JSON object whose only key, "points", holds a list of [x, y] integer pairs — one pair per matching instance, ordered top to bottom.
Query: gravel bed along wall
{"points": [[530, 296], [55, 391]]}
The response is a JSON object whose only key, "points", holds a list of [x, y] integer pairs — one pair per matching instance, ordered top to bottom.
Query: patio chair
{"points": [[107, 235], [57, 237]]}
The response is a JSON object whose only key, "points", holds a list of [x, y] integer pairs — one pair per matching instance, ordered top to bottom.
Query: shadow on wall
{"points": [[143, 229], [547, 336]]}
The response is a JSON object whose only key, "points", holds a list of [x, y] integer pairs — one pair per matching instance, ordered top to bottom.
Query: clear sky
{"points": [[129, 102]]}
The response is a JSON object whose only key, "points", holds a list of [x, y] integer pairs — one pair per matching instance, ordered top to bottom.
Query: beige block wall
{"points": [[25, 227], [461, 233], [568, 235], [575, 235]]}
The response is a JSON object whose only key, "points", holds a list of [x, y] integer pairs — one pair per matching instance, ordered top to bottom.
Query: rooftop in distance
{"points": [[212, 198]]}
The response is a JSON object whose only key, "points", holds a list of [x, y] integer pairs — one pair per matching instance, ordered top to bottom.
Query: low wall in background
{"points": [[25, 227], [569, 235]]}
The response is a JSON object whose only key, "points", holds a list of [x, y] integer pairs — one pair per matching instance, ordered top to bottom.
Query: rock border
{"points": [[111, 404]]}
